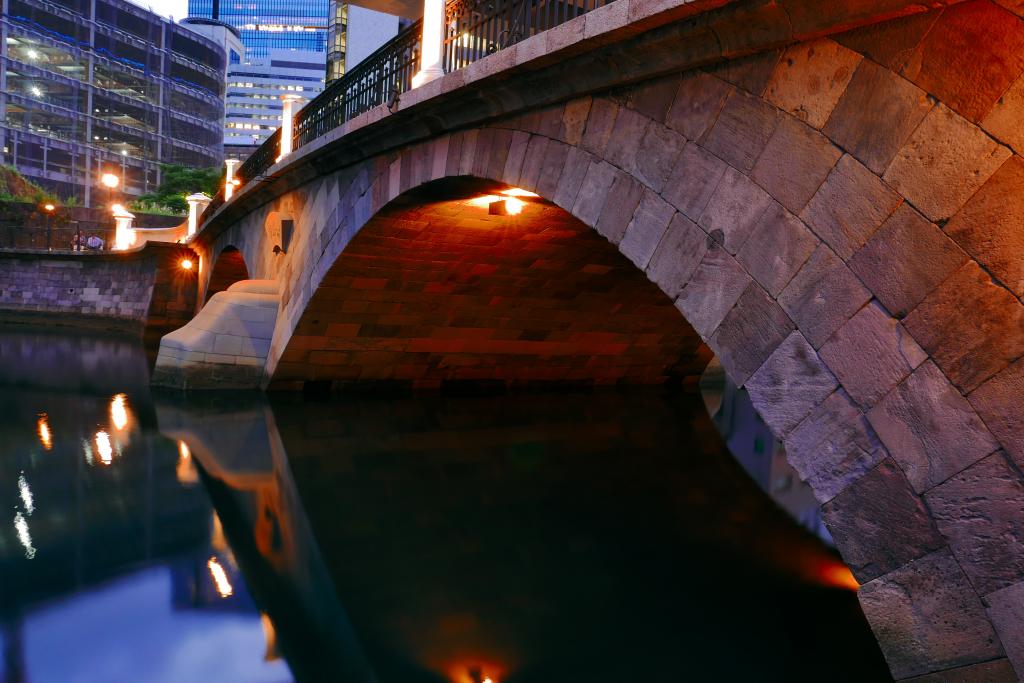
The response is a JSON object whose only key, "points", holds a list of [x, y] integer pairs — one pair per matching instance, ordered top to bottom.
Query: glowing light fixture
{"points": [[32, 54], [110, 180], [518, 192], [484, 200], [513, 206], [48, 207], [186, 264], [118, 411], [45, 437], [103, 447], [87, 450], [26, 495], [21, 528], [220, 578]]}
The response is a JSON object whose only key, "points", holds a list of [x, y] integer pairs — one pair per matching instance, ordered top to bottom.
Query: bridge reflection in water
{"points": [[543, 537]]}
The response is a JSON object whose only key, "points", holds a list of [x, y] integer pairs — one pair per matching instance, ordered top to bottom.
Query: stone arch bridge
{"points": [[828, 196]]}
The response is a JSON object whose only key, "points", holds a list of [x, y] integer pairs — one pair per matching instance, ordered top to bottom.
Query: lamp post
{"points": [[109, 181], [48, 208]]}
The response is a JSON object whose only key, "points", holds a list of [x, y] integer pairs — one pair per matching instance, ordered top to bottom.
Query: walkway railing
{"points": [[474, 29]]}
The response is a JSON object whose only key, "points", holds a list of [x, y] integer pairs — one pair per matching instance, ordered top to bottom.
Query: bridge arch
{"points": [[839, 228], [228, 268]]}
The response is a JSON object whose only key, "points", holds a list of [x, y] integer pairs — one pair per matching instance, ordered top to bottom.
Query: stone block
{"points": [[994, 39], [890, 43], [751, 73], [810, 78], [653, 99], [698, 101], [876, 115], [574, 121], [1005, 122], [600, 123], [742, 130], [621, 149], [656, 155], [533, 162], [795, 162], [943, 163], [576, 164], [551, 168], [693, 180], [593, 192], [849, 206], [734, 208], [618, 209], [988, 227], [644, 232], [777, 247], [677, 255], [906, 259], [713, 290], [823, 296], [970, 326], [750, 333], [871, 354], [790, 384], [998, 402], [930, 429], [833, 447], [980, 511], [879, 524], [1006, 609], [927, 617], [995, 671]]}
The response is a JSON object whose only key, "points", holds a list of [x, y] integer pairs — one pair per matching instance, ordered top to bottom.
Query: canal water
{"points": [[566, 537]]}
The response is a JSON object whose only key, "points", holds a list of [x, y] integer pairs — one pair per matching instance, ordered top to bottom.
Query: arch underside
{"points": [[840, 222], [228, 269], [436, 291]]}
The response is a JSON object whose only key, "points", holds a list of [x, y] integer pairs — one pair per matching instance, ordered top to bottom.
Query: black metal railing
{"points": [[474, 29]]}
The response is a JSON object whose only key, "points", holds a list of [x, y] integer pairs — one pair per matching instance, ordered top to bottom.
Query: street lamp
{"points": [[109, 181], [48, 208]]}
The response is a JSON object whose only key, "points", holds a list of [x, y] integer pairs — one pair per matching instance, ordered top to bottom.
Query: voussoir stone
{"points": [[810, 78], [698, 101], [876, 115], [1004, 121], [742, 129], [949, 152], [657, 154], [795, 162], [693, 180], [593, 192], [623, 198], [849, 206], [734, 208], [989, 227], [644, 232], [778, 245], [677, 255], [905, 259], [713, 290], [823, 296], [970, 326], [750, 333], [871, 354], [791, 383], [998, 402], [930, 428], [833, 446], [980, 511], [879, 523], [1006, 609], [927, 617], [994, 671]]}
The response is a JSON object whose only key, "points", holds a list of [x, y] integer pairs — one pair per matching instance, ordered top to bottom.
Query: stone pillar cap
{"points": [[197, 197], [120, 212]]}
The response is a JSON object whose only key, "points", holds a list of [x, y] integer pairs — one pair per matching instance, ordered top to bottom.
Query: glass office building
{"points": [[267, 25], [103, 86]]}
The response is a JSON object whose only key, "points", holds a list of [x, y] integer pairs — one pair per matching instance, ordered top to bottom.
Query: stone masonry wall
{"points": [[840, 220], [143, 288]]}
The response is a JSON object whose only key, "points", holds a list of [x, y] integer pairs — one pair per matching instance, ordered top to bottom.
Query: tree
{"points": [[178, 182]]}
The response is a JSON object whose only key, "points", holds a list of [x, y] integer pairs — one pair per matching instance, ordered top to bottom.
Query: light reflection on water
{"points": [[543, 538]]}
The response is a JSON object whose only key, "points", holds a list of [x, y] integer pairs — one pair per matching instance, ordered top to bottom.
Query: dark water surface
{"points": [[601, 536]]}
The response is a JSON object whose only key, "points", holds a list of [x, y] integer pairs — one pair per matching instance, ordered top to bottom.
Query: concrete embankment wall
{"points": [[144, 289]]}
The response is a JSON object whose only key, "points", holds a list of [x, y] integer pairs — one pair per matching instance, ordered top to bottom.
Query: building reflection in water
{"points": [[559, 537], [104, 564]]}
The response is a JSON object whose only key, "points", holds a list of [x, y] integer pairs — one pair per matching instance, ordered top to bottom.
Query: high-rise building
{"points": [[267, 25], [353, 33], [89, 87], [253, 98]]}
